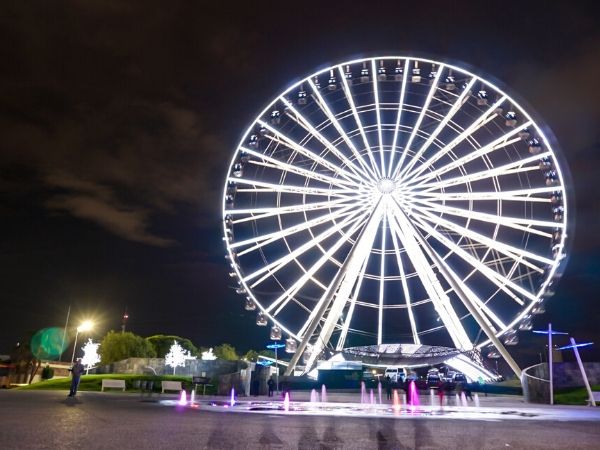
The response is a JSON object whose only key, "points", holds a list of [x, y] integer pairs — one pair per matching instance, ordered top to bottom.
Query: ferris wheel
{"points": [[395, 199]]}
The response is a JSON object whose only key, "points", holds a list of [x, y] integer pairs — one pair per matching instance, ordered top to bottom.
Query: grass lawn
{"points": [[94, 382], [573, 396]]}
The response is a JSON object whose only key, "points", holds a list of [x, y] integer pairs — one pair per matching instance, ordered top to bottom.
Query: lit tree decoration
{"points": [[90, 355], [208, 355], [177, 356]]}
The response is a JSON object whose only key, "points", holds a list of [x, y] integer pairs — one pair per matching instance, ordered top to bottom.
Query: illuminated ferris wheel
{"points": [[395, 199]]}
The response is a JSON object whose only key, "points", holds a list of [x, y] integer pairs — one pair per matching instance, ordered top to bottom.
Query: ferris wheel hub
{"points": [[386, 185]]}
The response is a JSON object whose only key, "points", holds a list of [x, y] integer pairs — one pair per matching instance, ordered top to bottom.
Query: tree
{"points": [[162, 344], [119, 346], [227, 352], [251, 355], [177, 356]]}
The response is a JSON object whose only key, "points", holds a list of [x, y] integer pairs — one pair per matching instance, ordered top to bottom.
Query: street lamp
{"points": [[87, 325], [550, 332], [275, 346]]}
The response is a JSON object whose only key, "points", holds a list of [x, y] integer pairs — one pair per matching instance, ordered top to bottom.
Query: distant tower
{"points": [[124, 322]]}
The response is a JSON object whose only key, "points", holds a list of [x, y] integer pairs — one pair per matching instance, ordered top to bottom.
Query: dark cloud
{"points": [[119, 118]]}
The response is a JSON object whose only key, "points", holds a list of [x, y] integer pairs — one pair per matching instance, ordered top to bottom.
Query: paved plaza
{"points": [[93, 420]]}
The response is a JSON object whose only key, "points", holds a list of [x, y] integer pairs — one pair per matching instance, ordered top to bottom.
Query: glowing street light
{"points": [[86, 325], [550, 332], [275, 346]]}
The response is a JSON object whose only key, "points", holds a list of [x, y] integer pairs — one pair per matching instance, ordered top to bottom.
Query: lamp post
{"points": [[85, 326], [550, 333], [275, 346]]}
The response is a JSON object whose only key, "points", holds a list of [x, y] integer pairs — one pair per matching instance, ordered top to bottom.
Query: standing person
{"points": [[76, 372], [271, 384], [441, 386], [388, 387], [467, 391]]}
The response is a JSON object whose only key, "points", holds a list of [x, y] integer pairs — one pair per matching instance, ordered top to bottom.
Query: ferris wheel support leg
{"points": [[334, 286], [483, 324]]}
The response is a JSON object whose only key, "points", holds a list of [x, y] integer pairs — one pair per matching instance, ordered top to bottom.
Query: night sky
{"points": [[119, 119]]}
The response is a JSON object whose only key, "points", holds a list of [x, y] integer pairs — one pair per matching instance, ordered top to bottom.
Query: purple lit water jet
{"points": [[363, 392], [379, 392], [323, 393], [413, 394], [314, 396], [371, 397], [183, 398], [232, 400], [286, 402]]}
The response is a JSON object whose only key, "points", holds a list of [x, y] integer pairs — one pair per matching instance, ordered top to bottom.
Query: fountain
{"points": [[363, 392], [379, 392], [323, 394], [413, 394], [431, 395], [193, 397], [314, 397], [371, 397], [183, 398], [463, 399], [232, 400], [456, 400], [477, 400], [396, 401], [286, 402]]}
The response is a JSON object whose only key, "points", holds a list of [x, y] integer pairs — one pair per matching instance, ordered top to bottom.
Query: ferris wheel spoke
{"points": [[376, 95], [462, 98], [350, 100], [296, 116], [398, 116], [481, 121], [417, 125], [280, 138], [503, 141], [285, 167], [512, 168], [367, 171], [288, 189], [518, 195], [255, 214], [518, 223], [406, 233], [266, 239], [519, 255], [276, 265], [309, 274], [381, 281], [505, 284], [460, 287], [406, 291], [346, 325]]}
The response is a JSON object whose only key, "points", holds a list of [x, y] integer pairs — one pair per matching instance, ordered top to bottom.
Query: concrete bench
{"points": [[117, 384], [171, 386]]}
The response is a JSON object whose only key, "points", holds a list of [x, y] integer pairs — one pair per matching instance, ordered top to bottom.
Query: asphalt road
{"points": [[47, 419]]}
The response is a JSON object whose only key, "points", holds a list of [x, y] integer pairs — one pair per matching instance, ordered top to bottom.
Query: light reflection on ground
{"points": [[564, 413]]}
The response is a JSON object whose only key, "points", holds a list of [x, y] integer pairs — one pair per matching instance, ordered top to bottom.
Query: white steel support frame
{"points": [[448, 190], [340, 288]]}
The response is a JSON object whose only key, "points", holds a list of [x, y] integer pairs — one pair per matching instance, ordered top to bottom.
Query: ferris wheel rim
{"points": [[561, 169]]}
